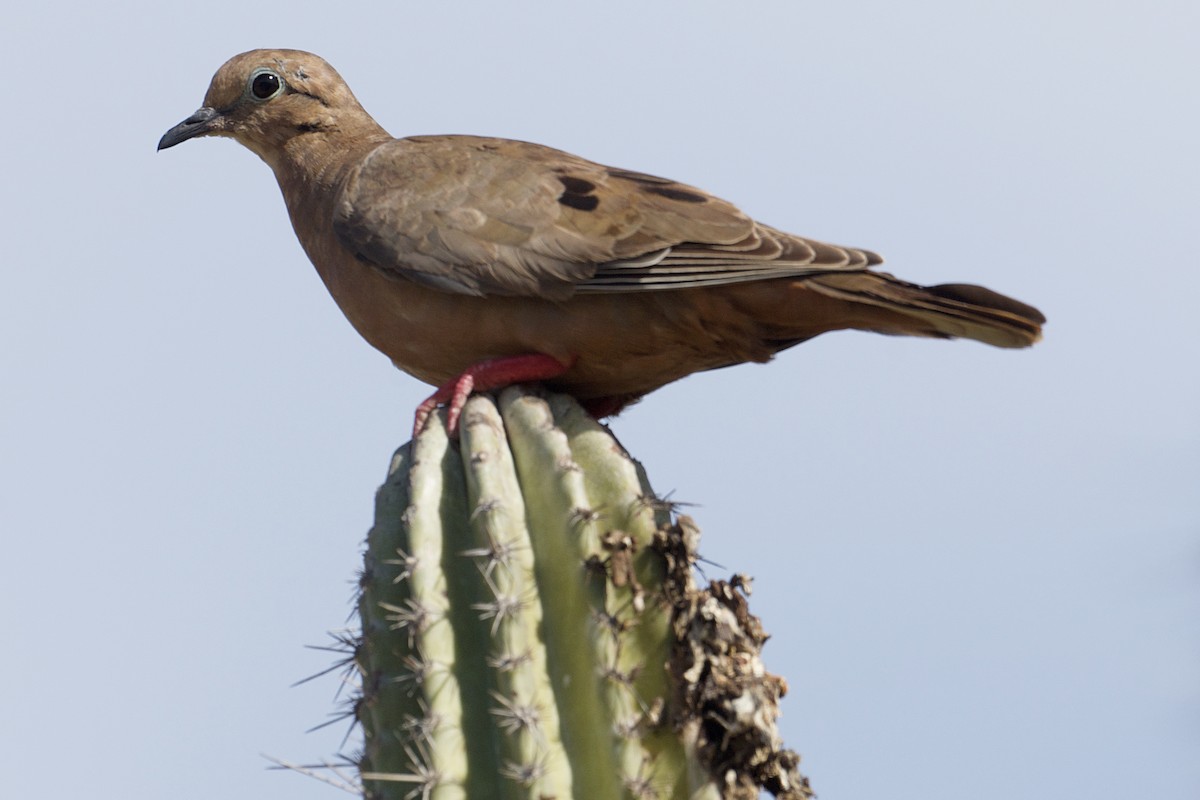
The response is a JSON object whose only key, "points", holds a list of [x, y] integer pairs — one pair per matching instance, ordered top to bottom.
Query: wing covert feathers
{"points": [[499, 217]]}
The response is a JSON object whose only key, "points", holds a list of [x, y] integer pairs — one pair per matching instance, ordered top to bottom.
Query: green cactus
{"points": [[530, 628]]}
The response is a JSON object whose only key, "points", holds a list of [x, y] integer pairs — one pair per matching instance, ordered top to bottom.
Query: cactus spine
{"points": [[530, 629]]}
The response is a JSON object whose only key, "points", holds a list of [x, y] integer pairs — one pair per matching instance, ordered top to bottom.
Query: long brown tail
{"points": [[948, 310]]}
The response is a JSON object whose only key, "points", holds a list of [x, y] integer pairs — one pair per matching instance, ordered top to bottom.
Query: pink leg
{"points": [[491, 374]]}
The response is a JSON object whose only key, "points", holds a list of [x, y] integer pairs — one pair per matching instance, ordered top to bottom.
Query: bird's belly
{"points": [[622, 345]]}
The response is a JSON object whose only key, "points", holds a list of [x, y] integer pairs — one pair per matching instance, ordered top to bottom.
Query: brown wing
{"points": [[494, 216]]}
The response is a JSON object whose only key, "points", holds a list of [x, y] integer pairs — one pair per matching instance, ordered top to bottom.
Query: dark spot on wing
{"points": [[639, 177], [577, 185], [659, 186], [577, 193], [682, 195], [583, 202]]}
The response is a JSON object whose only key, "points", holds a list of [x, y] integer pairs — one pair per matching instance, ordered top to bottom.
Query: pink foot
{"points": [[491, 374]]}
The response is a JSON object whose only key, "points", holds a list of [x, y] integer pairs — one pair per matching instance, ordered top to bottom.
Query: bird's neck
{"points": [[317, 162], [311, 170]]}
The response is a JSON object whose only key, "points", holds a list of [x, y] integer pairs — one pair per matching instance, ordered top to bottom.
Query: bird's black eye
{"points": [[265, 85]]}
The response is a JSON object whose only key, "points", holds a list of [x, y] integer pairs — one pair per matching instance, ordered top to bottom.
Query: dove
{"points": [[474, 262]]}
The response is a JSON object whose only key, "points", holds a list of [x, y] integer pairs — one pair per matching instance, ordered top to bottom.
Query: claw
{"points": [[494, 373]]}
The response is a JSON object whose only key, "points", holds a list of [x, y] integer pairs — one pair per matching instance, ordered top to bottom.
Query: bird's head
{"points": [[266, 99]]}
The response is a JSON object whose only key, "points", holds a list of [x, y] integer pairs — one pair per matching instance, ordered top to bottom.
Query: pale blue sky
{"points": [[981, 569]]}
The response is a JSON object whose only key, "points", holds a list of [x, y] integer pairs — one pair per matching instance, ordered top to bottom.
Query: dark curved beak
{"points": [[197, 124]]}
